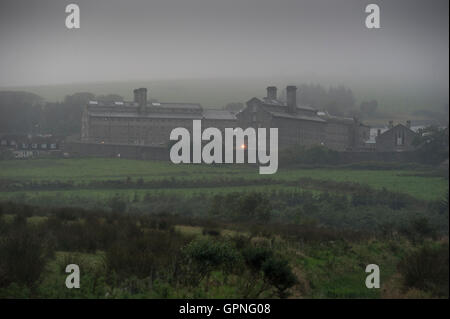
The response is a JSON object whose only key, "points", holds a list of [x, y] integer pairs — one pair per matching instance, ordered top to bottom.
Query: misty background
{"points": [[219, 52]]}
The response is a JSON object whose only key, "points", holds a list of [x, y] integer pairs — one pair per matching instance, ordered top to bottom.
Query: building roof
{"points": [[270, 102], [150, 104], [166, 105], [279, 109], [213, 114], [159, 115], [296, 116], [336, 119], [396, 126]]}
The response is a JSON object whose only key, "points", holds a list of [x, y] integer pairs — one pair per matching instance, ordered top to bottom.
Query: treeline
{"points": [[25, 113], [432, 150], [129, 183], [342, 205], [378, 212]]}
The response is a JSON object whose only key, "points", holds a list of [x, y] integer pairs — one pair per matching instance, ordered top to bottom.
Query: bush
{"points": [[314, 155], [117, 204], [154, 254], [204, 256], [23, 258], [427, 269], [278, 273]]}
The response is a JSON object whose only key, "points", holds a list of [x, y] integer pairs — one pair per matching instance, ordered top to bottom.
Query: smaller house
{"points": [[398, 138], [27, 146], [23, 153]]}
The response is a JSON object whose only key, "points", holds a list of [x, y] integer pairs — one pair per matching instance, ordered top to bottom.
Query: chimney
{"points": [[272, 92], [291, 94], [136, 95], [140, 97], [391, 124], [408, 124], [378, 132]]}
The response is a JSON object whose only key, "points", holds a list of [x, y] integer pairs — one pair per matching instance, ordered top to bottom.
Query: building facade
{"points": [[141, 122], [145, 123], [302, 125], [398, 138], [26, 146]]}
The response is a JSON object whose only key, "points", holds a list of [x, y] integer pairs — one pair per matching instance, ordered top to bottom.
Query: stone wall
{"points": [[82, 149]]}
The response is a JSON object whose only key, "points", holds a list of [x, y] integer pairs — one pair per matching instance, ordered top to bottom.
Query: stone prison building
{"points": [[147, 123]]}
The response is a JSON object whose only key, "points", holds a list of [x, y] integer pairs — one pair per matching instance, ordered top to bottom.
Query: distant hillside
{"points": [[396, 101]]}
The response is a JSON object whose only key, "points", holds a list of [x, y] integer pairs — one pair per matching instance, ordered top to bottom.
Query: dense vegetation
{"points": [[156, 230], [246, 252]]}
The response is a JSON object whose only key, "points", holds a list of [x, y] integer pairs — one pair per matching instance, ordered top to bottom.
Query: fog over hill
{"points": [[217, 52]]}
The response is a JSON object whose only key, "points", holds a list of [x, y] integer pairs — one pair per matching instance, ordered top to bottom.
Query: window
{"points": [[400, 138]]}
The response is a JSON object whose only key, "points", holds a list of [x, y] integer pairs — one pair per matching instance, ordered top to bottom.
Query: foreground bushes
{"points": [[144, 255], [23, 256], [427, 269]]}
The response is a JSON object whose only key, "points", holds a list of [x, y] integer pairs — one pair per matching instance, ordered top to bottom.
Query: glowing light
{"points": [[243, 146]]}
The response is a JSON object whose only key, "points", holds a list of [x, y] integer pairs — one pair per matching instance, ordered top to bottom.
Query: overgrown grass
{"points": [[85, 170]]}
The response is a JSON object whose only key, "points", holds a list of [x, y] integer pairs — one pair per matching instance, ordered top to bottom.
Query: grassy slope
{"points": [[82, 170]]}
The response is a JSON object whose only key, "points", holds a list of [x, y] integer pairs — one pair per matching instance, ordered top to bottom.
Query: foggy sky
{"points": [[158, 39]]}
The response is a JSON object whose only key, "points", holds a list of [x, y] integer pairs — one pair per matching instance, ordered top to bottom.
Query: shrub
{"points": [[117, 204], [205, 255], [22, 258], [427, 269], [279, 274]]}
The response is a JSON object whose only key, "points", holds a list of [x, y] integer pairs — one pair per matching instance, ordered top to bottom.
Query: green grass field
{"points": [[86, 170]]}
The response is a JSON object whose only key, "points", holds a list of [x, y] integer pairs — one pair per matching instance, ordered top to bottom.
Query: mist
{"points": [[311, 40]]}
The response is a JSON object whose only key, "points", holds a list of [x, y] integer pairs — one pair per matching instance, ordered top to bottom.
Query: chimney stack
{"points": [[272, 92], [291, 94], [136, 95], [140, 97], [391, 124], [408, 124], [378, 132]]}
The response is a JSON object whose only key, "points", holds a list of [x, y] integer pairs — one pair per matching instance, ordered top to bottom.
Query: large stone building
{"points": [[141, 122], [145, 123], [302, 125]]}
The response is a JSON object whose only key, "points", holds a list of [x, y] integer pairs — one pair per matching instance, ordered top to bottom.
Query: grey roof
{"points": [[270, 102], [273, 102], [149, 104], [176, 105], [213, 114], [158, 115], [296, 116], [337, 119], [395, 126]]}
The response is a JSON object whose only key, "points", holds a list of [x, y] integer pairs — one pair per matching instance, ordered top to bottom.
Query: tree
{"points": [[369, 108], [20, 111], [432, 144], [117, 204], [254, 206], [205, 255], [267, 270], [278, 273]]}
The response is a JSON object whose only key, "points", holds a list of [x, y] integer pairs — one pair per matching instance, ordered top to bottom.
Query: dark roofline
{"points": [[398, 124]]}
